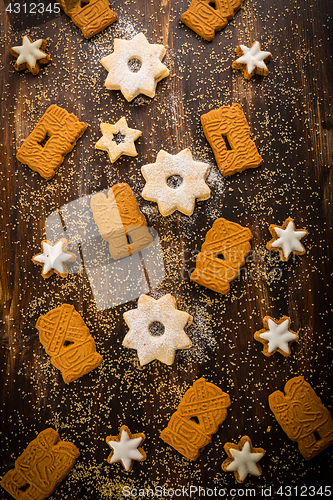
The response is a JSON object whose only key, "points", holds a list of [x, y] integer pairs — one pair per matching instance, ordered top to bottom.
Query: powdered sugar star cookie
{"points": [[30, 55], [252, 60], [135, 67], [118, 139], [189, 177], [287, 239], [53, 257], [156, 329], [276, 336], [126, 448], [243, 459]]}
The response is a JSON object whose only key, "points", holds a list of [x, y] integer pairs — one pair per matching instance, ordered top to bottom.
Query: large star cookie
{"points": [[30, 55], [252, 60], [135, 67], [118, 139], [174, 182], [287, 239], [53, 258], [156, 329], [276, 336], [126, 448], [243, 459]]}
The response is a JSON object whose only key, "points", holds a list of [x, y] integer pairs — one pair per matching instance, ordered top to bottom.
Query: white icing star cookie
{"points": [[30, 55], [252, 60], [135, 66], [118, 139], [174, 182], [287, 239], [53, 257], [156, 329], [276, 336], [126, 448], [243, 459]]}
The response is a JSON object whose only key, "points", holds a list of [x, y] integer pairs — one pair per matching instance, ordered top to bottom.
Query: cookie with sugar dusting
{"points": [[135, 67]]}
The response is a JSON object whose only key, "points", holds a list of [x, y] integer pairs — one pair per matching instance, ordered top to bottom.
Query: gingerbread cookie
{"points": [[91, 16], [206, 16], [30, 55], [252, 61], [135, 67], [60, 130], [228, 133], [118, 139], [189, 185], [120, 221], [286, 239], [230, 241], [53, 258], [156, 329], [276, 336], [67, 340], [198, 416], [303, 417], [126, 448], [243, 459], [41, 467]]}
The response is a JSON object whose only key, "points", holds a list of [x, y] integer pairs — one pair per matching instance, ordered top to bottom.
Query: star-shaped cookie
{"points": [[30, 55], [252, 60], [135, 66], [118, 139], [174, 182], [287, 239], [53, 257], [156, 329], [276, 336], [126, 448], [243, 459]]}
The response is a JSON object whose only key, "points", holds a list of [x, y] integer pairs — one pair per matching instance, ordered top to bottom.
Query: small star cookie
{"points": [[30, 55], [252, 60], [135, 67], [118, 139], [174, 182], [287, 239], [53, 257], [156, 329], [276, 336], [126, 448], [243, 459]]}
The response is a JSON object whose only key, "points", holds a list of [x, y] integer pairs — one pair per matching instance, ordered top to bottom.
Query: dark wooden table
{"points": [[290, 116]]}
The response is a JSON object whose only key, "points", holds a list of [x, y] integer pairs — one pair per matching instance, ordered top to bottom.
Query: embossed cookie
{"points": [[91, 16], [206, 16], [30, 55], [252, 61], [135, 67], [228, 134], [54, 136], [118, 139], [189, 185], [120, 221], [287, 239], [222, 255], [53, 258], [156, 329], [276, 336], [67, 340], [198, 416], [303, 417], [126, 448], [243, 459], [41, 467]]}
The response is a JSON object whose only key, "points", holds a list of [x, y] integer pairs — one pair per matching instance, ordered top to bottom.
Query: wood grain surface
{"points": [[290, 116]]}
